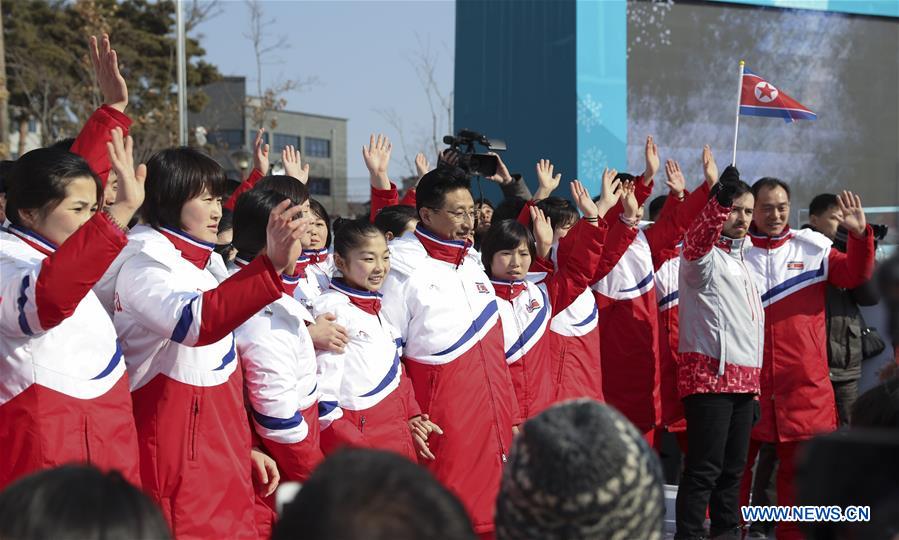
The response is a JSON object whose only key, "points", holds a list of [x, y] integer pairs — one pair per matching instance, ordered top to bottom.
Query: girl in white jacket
{"points": [[63, 389], [366, 399]]}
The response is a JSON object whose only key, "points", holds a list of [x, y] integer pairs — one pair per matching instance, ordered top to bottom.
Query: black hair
{"points": [[63, 144], [6, 166], [175, 176], [625, 177], [38, 180], [769, 183], [435, 185], [288, 186], [739, 187], [482, 201], [821, 203], [655, 206], [509, 208], [319, 210], [560, 211], [251, 213], [394, 219], [227, 221], [350, 233], [503, 235], [878, 407], [376, 495], [78, 502]]}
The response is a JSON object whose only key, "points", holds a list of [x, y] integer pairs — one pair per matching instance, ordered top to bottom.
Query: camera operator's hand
{"points": [[651, 152], [377, 157], [448, 158], [709, 167], [502, 175], [546, 182]]}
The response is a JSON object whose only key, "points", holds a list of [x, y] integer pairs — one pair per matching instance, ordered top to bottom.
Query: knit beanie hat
{"points": [[581, 470]]}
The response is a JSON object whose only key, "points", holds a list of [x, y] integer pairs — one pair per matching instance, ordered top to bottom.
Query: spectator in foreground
{"points": [[580, 470], [373, 495], [78, 502]]}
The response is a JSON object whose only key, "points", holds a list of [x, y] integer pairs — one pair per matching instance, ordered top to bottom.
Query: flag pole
{"points": [[737, 117]]}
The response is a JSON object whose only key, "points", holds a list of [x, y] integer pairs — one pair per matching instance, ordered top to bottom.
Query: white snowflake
{"points": [[646, 22], [588, 112], [593, 161]]}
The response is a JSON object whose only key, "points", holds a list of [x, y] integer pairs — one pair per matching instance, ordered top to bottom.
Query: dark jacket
{"points": [[845, 324]]}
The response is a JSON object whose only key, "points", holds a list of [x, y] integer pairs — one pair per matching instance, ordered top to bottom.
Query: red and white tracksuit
{"points": [[382, 198], [445, 308], [526, 310], [628, 314], [175, 323], [279, 372], [281, 388], [63, 389], [366, 400], [797, 401], [672, 409]]}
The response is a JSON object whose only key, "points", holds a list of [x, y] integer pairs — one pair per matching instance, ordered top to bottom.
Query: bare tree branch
{"points": [[201, 11]]}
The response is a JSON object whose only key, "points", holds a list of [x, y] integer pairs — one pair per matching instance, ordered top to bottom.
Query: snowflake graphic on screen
{"points": [[647, 24], [588, 112], [593, 161]]}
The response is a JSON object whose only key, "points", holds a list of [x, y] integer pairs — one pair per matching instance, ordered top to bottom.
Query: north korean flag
{"points": [[758, 97]]}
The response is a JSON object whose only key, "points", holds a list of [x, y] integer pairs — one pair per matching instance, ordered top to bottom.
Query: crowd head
{"points": [[445, 205], [580, 470], [374, 495], [78, 503]]}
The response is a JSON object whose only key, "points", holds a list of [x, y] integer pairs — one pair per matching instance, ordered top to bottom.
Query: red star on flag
{"points": [[766, 90]]}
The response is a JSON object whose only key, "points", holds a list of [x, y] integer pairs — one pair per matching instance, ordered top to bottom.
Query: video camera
{"points": [[474, 164]]}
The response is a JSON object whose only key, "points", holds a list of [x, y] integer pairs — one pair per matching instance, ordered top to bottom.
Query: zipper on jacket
{"points": [[524, 370], [194, 423], [362, 424], [499, 438], [87, 442]]}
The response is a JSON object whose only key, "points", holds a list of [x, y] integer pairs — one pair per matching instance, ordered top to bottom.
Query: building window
{"points": [[32, 125], [251, 137], [226, 138], [282, 140], [318, 147], [319, 186]]}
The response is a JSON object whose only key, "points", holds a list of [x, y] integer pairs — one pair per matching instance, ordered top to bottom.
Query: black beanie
{"points": [[581, 470]]}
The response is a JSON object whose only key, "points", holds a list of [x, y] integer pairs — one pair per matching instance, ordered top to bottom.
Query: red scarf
{"points": [[194, 251], [451, 251], [508, 290], [367, 301]]}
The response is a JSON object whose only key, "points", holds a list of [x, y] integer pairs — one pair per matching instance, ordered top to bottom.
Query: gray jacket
{"points": [[721, 313]]}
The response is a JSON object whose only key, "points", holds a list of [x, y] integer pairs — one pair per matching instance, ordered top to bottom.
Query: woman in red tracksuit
{"points": [[527, 308], [175, 322], [63, 388], [366, 399]]}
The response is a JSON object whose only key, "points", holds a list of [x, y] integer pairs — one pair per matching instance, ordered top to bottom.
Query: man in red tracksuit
{"points": [[791, 269]]}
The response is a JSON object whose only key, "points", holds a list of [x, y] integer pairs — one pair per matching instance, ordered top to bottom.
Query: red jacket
{"points": [[91, 141], [382, 198], [793, 269], [444, 306], [526, 311], [628, 313], [63, 388]]}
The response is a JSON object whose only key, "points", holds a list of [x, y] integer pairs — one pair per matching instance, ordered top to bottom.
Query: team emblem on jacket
{"points": [[795, 265], [482, 288], [534, 305]]}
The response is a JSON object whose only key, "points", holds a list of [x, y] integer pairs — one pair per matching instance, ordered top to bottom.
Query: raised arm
{"points": [[91, 141], [377, 157], [260, 169], [851, 269]]}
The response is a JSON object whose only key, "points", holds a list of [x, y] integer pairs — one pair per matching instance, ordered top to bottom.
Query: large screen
{"points": [[682, 80]]}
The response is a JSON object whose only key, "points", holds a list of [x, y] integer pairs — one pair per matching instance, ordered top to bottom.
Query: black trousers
{"points": [[845, 393], [718, 428]]}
